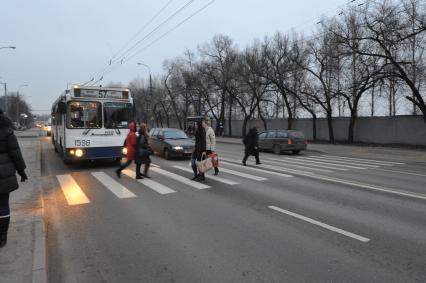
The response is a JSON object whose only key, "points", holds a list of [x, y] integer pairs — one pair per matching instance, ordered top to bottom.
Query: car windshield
{"points": [[84, 114], [117, 115], [175, 135]]}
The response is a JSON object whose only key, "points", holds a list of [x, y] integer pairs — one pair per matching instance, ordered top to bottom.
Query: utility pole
{"points": [[5, 98]]}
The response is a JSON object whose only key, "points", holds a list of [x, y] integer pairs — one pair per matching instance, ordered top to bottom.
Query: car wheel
{"points": [[276, 149], [296, 152], [166, 154]]}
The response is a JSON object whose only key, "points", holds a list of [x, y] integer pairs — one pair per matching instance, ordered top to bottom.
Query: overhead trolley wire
{"points": [[143, 28], [154, 30], [169, 31], [132, 55], [121, 57]]}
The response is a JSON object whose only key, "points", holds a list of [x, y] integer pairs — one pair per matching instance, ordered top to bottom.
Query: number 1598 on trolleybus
{"points": [[90, 123]]}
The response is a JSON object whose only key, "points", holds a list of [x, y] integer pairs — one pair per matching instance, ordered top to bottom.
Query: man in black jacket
{"points": [[251, 144], [10, 161]]}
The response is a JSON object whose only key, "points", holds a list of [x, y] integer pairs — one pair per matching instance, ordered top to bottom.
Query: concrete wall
{"points": [[405, 130], [408, 130]]}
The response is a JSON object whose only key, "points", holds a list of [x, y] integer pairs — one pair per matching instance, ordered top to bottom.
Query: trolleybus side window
{"points": [[84, 114], [117, 115]]}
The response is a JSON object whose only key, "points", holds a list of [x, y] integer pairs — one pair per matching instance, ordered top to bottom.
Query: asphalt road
{"points": [[306, 218]]}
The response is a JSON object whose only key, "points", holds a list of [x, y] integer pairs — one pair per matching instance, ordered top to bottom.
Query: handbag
{"points": [[143, 151], [215, 159], [205, 165]]}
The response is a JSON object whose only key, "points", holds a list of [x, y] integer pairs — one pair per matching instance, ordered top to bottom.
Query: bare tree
{"points": [[390, 29], [219, 60]]}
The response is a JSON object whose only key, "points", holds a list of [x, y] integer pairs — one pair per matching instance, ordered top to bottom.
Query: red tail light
{"points": [[289, 141]]}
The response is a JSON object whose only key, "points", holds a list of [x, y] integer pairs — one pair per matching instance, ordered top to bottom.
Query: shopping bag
{"points": [[215, 159], [205, 165]]}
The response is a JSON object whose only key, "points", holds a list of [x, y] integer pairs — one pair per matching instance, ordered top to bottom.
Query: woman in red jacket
{"points": [[130, 146]]}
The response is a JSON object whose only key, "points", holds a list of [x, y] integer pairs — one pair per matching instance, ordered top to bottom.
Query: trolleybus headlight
{"points": [[124, 150], [72, 151], [79, 152]]}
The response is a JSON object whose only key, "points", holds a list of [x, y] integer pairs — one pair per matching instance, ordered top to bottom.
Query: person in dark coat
{"points": [[251, 144], [130, 146], [199, 150], [143, 151], [11, 161]]}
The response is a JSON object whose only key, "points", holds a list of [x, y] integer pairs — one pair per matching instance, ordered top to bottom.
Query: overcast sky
{"points": [[70, 41]]}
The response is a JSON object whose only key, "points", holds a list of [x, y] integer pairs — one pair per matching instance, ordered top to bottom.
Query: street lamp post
{"points": [[150, 83], [5, 86], [17, 103]]}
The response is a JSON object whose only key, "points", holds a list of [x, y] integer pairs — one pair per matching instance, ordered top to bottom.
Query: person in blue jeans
{"points": [[11, 161]]}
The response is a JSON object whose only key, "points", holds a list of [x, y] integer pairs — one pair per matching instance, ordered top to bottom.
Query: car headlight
{"points": [[177, 148], [124, 151], [79, 152]]}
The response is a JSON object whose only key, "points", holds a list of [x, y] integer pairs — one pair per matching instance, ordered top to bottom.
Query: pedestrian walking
{"points": [[210, 142], [130, 144], [251, 144], [143, 151], [199, 151], [11, 161]]}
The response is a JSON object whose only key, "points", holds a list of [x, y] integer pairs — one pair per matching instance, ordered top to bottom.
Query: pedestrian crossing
{"points": [[321, 163], [231, 174]]}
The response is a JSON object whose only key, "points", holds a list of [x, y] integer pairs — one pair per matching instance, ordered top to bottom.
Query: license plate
{"points": [[187, 151]]}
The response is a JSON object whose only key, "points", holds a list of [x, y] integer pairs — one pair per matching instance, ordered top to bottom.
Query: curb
{"points": [[229, 142], [240, 143], [39, 257], [39, 267]]}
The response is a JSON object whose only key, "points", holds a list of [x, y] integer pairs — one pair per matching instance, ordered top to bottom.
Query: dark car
{"points": [[278, 141], [171, 142]]}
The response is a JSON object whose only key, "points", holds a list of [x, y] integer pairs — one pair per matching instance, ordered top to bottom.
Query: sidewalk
{"points": [[362, 151], [23, 259]]}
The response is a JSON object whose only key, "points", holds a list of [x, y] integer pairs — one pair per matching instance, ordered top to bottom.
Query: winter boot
{"points": [[194, 169], [145, 171], [4, 227]]}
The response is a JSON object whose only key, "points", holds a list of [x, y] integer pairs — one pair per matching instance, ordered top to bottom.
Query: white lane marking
{"points": [[303, 159], [362, 159], [339, 161], [361, 162], [283, 164], [309, 164], [155, 165], [256, 169], [287, 170], [401, 172], [244, 175], [216, 178], [181, 179], [351, 183], [153, 185], [115, 187], [371, 187], [72, 191], [321, 224]]}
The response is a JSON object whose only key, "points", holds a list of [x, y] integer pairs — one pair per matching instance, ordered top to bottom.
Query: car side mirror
{"points": [[62, 107]]}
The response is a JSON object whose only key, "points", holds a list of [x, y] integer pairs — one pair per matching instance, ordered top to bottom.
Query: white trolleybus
{"points": [[90, 123]]}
